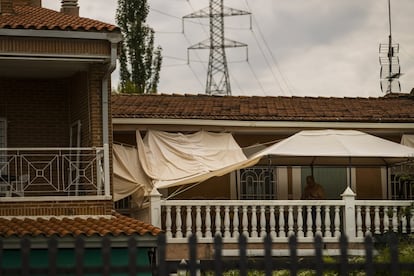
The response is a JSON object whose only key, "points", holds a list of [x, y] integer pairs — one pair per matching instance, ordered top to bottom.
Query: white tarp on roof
{"points": [[408, 140], [336, 147], [169, 159]]}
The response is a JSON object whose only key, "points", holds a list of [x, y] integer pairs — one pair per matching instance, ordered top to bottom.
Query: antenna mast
{"points": [[390, 63], [218, 81]]}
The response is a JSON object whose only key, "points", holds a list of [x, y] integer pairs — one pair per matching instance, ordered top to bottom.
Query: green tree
{"points": [[140, 63]]}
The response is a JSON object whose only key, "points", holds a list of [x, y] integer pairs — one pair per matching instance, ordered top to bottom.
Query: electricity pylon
{"points": [[218, 82]]}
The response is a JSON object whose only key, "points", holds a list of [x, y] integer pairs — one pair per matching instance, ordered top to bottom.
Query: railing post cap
{"points": [[155, 193], [348, 193]]}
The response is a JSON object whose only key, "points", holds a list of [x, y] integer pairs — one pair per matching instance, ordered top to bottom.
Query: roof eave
{"points": [[113, 37], [130, 124]]}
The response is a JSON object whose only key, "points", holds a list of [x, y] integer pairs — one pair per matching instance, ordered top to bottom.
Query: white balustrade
{"points": [[280, 219]]}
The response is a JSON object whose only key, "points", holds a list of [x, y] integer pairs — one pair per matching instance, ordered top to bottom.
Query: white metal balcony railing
{"points": [[26, 172], [282, 218]]}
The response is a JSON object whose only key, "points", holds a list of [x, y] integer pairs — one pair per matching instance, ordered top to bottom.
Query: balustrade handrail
{"points": [[51, 149], [222, 202], [387, 203], [283, 218]]}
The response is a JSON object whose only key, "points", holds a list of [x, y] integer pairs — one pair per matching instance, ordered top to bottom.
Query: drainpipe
{"points": [[114, 39]]}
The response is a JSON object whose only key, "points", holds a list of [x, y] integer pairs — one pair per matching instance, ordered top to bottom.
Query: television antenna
{"points": [[390, 64], [218, 81]]}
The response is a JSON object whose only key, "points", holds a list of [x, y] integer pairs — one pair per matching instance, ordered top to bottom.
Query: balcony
{"points": [[58, 173]]}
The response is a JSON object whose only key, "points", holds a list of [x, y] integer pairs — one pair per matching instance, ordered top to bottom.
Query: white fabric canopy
{"points": [[407, 140], [336, 147], [164, 159], [171, 159]]}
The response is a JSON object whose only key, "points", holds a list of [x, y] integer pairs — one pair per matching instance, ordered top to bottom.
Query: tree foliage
{"points": [[140, 63]]}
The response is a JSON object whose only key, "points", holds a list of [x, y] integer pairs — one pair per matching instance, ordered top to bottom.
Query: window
{"points": [[258, 182], [402, 182]]}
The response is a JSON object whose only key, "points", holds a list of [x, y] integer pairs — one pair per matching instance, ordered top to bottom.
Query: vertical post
{"points": [[348, 196], [155, 208]]}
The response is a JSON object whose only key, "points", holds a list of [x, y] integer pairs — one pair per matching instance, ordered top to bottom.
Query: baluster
{"points": [[377, 220], [386, 220], [395, 220], [218, 221], [226, 221], [262, 221], [290, 221], [318, 221], [367, 221], [412, 221], [168, 222], [178, 222], [188, 222], [208, 222], [245, 222], [254, 222], [272, 222], [281, 222], [300, 222], [309, 222], [327, 222], [337, 222], [359, 222], [404, 224], [236, 232], [199, 234]]}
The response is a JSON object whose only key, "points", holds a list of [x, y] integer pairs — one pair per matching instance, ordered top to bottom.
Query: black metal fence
{"points": [[265, 265]]}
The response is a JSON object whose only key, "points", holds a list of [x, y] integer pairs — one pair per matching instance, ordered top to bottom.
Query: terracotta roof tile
{"points": [[26, 17], [385, 109], [116, 225]]}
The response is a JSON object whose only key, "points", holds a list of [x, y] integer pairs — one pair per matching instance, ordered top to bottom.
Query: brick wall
{"points": [[54, 46], [36, 112], [56, 208]]}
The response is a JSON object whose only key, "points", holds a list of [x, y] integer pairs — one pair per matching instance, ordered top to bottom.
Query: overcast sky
{"points": [[295, 48]]}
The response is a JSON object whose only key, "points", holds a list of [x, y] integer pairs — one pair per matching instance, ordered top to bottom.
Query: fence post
{"points": [[348, 196], [155, 208]]}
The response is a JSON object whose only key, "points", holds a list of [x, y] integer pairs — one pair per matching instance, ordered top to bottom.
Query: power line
{"points": [[273, 58], [257, 79]]}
